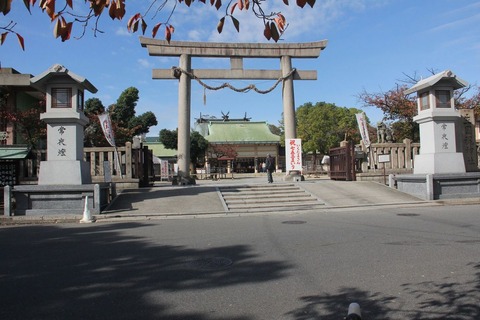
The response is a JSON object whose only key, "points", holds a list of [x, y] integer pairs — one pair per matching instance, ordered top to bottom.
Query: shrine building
{"points": [[239, 145]]}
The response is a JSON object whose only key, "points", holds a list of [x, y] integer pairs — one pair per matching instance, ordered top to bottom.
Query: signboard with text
{"points": [[293, 154], [382, 158], [163, 170]]}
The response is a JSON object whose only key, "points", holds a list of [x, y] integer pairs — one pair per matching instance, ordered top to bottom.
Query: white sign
{"points": [[362, 126], [293, 154], [383, 158], [164, 169]]}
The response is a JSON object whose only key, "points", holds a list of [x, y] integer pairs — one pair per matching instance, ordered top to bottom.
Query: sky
{"points": [[372, 46]]}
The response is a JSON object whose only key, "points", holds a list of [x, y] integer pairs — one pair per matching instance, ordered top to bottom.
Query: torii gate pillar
{"points": [[236, 52], [288, 100], [183, 144]]}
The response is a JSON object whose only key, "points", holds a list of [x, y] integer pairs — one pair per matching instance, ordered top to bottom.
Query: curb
{"points": [[115, 217]]}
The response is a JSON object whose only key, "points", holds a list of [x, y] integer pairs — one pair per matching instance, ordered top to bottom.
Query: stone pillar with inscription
{"points": [[437, 117], [65, 127], [466, 133]]}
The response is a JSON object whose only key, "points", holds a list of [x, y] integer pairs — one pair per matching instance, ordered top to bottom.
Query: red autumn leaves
{"points": [[275, 23]]}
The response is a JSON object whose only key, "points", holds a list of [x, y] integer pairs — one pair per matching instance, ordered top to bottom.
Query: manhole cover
{"points": [[407, 214], [294, 222], [216, 263]]}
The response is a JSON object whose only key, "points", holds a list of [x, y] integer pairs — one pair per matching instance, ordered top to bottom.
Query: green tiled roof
{"points": [[240, 132], [151, 139], [160, 151], [13, 152]]}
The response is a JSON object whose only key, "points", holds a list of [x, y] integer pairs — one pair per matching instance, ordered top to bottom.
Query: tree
{"points": [[275, 23], [473, 102], [93, 106], [397, 108], [400, 109], [124, 110], [123, 113], [27, 121], [124, 122], [143, 122], [322, 126], [281, 128], [275, 130], [93, 135], [169, 138], [198, 144], [224, 151]]}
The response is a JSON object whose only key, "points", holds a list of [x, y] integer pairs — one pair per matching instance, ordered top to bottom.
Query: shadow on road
{"points": [[99, 272], [102, 272], [448, 299], [335, 306]]}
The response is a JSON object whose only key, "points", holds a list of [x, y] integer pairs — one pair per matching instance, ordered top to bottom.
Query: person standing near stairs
{"points": [[270, 166]]}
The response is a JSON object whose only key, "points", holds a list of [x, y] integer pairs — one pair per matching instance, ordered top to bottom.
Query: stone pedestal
{"points": [[438, 143], [64, 163], [433, 163], [74, 172], [295, 176], [440, 186], [56, 200]]}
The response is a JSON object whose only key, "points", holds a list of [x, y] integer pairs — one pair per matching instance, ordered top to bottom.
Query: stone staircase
{"points": [[267, 197]]}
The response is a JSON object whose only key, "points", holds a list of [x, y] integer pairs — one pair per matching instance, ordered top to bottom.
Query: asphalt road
{"points": [[397, 263]]}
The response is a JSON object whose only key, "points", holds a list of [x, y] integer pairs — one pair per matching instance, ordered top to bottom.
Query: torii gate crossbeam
{"points": [[236, 52]]}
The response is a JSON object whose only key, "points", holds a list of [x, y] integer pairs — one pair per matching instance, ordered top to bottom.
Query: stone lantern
{"points": [[437, 118], [65, 127]]}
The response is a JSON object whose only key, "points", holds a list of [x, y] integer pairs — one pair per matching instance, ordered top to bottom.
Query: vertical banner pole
{"points": [[106, 125]]}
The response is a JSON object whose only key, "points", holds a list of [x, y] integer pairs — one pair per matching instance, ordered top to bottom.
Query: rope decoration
{"points": [[178, 71]]}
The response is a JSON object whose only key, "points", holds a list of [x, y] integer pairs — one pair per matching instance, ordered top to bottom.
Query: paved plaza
{"points": [[204, 198], [163, 200]]}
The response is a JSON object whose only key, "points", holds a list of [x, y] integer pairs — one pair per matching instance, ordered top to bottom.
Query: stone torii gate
{"points": [[236, 52]]}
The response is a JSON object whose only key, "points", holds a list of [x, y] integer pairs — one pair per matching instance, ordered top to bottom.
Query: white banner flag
{"points": [[106, 125], [362, 126]]}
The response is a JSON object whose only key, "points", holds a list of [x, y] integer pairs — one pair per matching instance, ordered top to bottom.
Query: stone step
{"points": [[260, 189], [262, 195], [261, 198], [271, 199], [275, 204], [280, 207]]}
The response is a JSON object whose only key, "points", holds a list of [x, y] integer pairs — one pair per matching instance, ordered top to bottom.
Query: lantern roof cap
{"points": [[59, 70], [447, 77]]}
